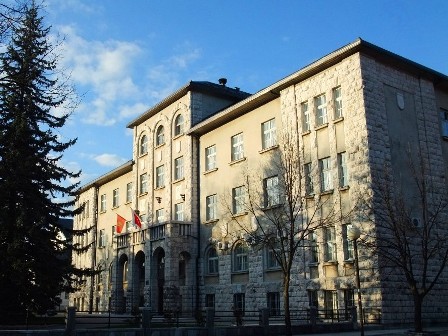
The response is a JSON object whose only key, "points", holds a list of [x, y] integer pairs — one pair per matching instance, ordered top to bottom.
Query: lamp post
{"points": [[353, 233]]}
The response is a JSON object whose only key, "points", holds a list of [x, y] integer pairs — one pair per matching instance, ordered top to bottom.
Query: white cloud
{"points": [[129, 111], [109, 160]]}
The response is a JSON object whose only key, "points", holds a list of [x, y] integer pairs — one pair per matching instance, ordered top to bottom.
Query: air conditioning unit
{"points": [[222, 245]]}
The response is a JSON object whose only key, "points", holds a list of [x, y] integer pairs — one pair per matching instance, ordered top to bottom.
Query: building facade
{"points": [[349, 114]]}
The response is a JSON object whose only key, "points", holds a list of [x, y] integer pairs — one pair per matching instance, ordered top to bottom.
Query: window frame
{"points": [[337, 103], [321, 110], [306, 117], [179, 123], [268, 134], [160, 135], [143, 145], [237, 147], [210, 158], [342, 170], [179, 172], [307, 172], [160, 176], [326, 179], [143, 183], [129, 192], [271, 192], [238, 195], [115, 198], [103, 203], [211, 207], [179, 212], [159, 214], [102, 238], [348, 245], [314, 248], [330, 252], [240, 258], [271, 260], [212, 261], [273, 303]]}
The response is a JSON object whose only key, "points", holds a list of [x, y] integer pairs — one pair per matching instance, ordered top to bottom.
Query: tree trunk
{"points": [[418, 302], [286, 306]]}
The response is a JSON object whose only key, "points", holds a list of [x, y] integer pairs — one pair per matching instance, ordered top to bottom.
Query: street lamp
{"points": [[353, 233]]}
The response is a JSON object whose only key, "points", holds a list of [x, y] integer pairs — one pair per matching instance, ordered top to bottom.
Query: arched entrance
{"points": [[159, 257], [139, 278]]}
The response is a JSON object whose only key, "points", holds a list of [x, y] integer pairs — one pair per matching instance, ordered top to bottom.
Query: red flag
{"points": [[136, 219], [120, 223]]}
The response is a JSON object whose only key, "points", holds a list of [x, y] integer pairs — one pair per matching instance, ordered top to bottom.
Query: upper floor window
{"points": [[337, 99], [321, 110], [444, 120], [179, 125], [306, 126], [268, 134], [160, 135], [143, 145], [237, 147], [210, 158], [179, 168], [342, 168], [160, 176], [326, 182], [143, 183], [309, 188], [271, 191], [129, 192], [115, 200], [238, 200], [103, 203], [211, 207], [179, 212], [160, 215], [102, 238], [329, 244], [348, 244], [314, 250], [271, 257], [240, 258], [212, 261]]}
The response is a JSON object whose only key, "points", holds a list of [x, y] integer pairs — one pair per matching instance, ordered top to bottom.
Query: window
{"points": [[337, 99], [321, 110], [305, 117], [444, 120], [179, 125], [268, 134], [160, 136], [143, 145], [237, 147], [210, 158], [179, 168], [342, 169], [160, 176], [326, 182], [143, 183], [309, 188], [129, 192], [271, 192], [115, 200], [238, 200], [103, 203], [87, 208], [211, 210], [179, 212], [160, 215], [102, 238], [329, 244], [348, 244], [314, 251], [240, 259], [271, 260], [212, 261], [312, 298], [349, 299], [210, 300], [239, 302], [274, 303], [330, 303]]}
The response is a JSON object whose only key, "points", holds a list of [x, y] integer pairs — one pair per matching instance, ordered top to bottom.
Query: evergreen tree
{"points": [[33, 270]]}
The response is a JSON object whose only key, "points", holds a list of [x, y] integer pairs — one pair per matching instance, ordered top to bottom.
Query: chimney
{"points": [[222, 81]]}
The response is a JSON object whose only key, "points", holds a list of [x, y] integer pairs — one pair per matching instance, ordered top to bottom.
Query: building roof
{"points": [[209, 88], [273, 91]]}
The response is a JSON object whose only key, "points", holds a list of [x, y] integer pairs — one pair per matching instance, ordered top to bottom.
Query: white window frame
{"points": [[337, 101], [321, 110], [306, 120], [179, 125], [268, 134], [160, 135], [143, 145], [237, 149], [210, 158], [179, 168], [342, 169], [307, 173], [160, 176], [326, 181], [143, 183], [271, 191], [129, 192], [238, 195], [115, 198], [103, 203], [211, 203], [179, 212], [160, 215], [102, 238], [330, 244], [314, 247], [349, 250], [240, 258], [212, 261]]}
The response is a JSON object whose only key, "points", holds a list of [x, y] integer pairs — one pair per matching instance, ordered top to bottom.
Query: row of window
{"points": [[320, 107], [160, 135], [178, 174], [325, 174], [116, 197]]}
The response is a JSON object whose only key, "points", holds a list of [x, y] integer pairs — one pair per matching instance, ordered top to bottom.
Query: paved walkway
{"points": [[440, 330]]}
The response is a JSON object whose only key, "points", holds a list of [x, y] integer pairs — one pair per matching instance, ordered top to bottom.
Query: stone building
{"points": [[350, 113]]}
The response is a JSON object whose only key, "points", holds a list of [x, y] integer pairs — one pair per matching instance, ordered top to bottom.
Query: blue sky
{"points": [[126, 55]]}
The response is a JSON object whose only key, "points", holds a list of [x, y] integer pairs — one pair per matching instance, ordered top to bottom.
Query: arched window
{"points": [[179, 125], [160, 136], [143, 145], [240, 258], [212, 261]]}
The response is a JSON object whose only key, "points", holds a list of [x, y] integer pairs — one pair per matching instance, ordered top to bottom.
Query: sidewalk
{"points": [[439, 330]]}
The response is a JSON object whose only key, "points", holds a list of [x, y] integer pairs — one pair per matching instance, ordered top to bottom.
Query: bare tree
{"points": [[284, 210], [410, 235]]}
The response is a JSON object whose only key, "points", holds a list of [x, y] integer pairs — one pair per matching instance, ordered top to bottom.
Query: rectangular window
{"points": [[337, 99], [321, 110], [444, 121], [306, 126], [268, 134], [237, 147], [210, 158], [179, 168], [342, 170], [160, 176], [326, 182], [143, 183], [309, 188], [271, 191], [129, 192], [115, 200], [238, 200], [103, 203], [87, 208], [211, 210], [179, 211], [160, 215], [102, 238], [329, 244], [348, 244], [314, 251], [271, 260], [212, 262], [312, 298], [210, 300], [239, 302], [274, 303], [330, 303]]}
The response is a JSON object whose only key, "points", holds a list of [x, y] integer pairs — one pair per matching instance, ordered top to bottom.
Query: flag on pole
{"points": [[136, 219], [120, 223]]}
